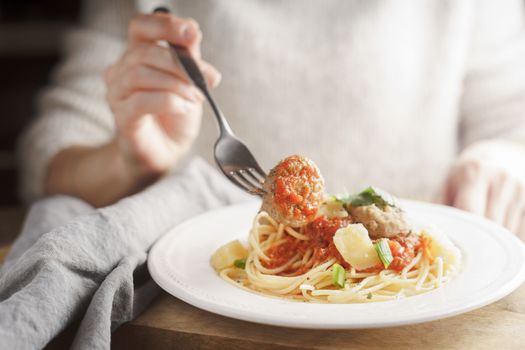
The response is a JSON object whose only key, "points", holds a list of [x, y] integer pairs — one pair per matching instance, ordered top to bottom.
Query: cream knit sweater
{"points": [[379, 92]]}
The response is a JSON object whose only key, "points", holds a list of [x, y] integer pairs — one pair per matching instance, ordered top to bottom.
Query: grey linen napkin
{"points": [[72, 261]]}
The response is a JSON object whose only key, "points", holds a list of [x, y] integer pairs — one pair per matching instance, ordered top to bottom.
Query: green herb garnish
{"points": [[370, 196], [333, 198], [383, 251], [240, 263], [338, 275], [369, 295]]}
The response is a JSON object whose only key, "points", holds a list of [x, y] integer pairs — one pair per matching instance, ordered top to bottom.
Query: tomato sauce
{"points": [[320, 232], [404, 247]]}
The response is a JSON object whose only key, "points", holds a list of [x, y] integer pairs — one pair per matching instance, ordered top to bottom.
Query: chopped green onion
{"points": [[383, 251], [240, 263], [338, 275], [369, 295]]}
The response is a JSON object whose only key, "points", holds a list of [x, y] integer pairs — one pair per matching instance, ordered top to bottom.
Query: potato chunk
{"points": [[355, 246], [441, 246], [226, 255]]}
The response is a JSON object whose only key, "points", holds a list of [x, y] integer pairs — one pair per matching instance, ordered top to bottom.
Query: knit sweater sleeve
{"points": [[493, 101], [72, 109]]}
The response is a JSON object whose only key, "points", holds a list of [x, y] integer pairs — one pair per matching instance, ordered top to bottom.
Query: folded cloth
{"points": [[72, 261]]}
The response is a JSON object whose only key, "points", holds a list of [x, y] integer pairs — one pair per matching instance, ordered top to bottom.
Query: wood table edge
{"points": [[147, 337]]}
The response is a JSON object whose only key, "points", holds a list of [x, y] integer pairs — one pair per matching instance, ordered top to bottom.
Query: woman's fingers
{"points": [[161, 26], [160, 58], [148, 66], [212, 75], [144, 78], [163, 103], [156, 107], [489, 179], [467, 188], [487, 191], [500, 195], [472, 197], [516, 210], [520, 231]]}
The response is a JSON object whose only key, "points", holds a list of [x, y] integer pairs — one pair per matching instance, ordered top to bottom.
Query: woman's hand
{"points": [[157, 110], [157, 115], [489, 180]]}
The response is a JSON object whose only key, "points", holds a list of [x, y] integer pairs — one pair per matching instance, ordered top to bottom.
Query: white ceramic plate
{"points": [[493, 265]]}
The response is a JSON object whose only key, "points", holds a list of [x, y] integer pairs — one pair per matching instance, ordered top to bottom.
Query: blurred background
{"points": [[30, 34]]}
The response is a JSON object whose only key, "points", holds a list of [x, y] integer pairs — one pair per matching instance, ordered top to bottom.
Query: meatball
{"points": [[293, 191], [380, 222]]}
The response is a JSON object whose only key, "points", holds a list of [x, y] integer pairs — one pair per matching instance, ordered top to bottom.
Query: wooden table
{"points": [[172, 324]]}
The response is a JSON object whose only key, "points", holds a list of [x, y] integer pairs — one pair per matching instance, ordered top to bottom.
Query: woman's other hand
{"points": [[157, 109], [489, 180]]}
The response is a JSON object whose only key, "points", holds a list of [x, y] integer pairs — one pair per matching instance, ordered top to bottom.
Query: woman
{"points": [[424, 99]]}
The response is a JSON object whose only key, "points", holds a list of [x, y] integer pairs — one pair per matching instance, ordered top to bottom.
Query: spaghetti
{"points": [[340, 257]]}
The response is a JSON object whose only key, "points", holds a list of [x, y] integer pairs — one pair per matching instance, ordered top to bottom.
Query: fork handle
{"points": [[190, 67]]}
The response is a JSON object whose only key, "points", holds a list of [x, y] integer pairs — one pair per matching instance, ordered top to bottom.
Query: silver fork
{"points": [[232, 156]]}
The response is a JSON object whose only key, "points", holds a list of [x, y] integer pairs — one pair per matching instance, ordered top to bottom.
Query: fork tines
{"points": [[249, 179]]}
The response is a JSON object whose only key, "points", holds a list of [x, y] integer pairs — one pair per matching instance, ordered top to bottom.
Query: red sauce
{"points": [[298, 188], [321, 232], [404, 247], [281, 254]]}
